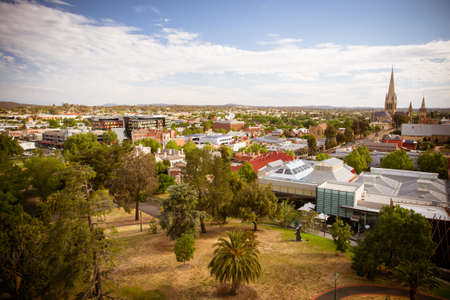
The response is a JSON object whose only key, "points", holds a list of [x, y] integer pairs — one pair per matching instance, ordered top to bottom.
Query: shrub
{"points": [[184, 248]]}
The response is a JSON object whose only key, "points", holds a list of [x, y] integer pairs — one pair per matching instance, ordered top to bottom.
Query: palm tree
{"points": [[236, 259]]}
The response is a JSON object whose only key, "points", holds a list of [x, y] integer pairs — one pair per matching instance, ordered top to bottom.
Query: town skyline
{"points": [[134, 52]]}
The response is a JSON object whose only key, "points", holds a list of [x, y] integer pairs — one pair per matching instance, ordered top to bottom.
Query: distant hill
{"points": [[10, 104]]}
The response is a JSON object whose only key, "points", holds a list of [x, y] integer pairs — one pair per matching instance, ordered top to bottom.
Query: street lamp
{"points": [[336, 275]]}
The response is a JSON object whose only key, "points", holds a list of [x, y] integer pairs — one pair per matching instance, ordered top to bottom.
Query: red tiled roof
{"points": [[264, 159]]}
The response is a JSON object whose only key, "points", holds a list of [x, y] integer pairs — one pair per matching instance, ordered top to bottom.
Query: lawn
{"points": [[291, 270]]}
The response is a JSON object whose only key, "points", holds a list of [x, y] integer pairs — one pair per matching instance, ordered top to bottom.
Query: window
{"points": [[280, 171], [288, 172]]}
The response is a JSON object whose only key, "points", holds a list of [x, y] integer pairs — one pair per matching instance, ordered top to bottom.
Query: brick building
{"points": [[228, 125]]}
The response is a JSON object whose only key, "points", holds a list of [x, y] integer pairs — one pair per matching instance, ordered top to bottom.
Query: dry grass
{"points": [[291, 270]]}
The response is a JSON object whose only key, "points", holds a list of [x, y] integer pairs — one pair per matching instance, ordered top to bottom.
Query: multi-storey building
{"points": [[143, 122], [106, 123], [228, 125]]}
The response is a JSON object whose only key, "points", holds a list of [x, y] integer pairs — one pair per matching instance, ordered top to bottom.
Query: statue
{"points": [[298, 236]]}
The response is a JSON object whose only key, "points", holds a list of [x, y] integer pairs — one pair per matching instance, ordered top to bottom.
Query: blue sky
{"points": [[216, 52]]}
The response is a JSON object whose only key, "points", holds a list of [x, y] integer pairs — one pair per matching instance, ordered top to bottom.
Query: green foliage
{"points": [[399, 119], [69, 122], [53, 123], [330, 134], [348, 135], [110, 137], [340, 138], [79, 144], [153, 144], [312, 144], [172, 145], [189, 146], [9, 147], [256, 148], [289, 152], [226, 153], [322, 156], [359, 159], [398, 159], [356, 161], [433, 162], [246, 173], [44, 174], [134, 180], [164, 181], [220, 195], [255, 202], [179, 213], [286, 214], [153, 226], [341, 234], [401, 241], [184, 248], [54, 255], [236, 259]]}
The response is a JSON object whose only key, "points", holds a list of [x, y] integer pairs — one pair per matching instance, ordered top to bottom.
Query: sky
{"points": [[252, 52]]}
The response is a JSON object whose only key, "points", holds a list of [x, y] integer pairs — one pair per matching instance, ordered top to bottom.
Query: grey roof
{"points": [[425, 129], [420, 186]]}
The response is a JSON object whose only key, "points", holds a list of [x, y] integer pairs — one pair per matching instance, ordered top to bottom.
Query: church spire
{"points": [[391, 90], [390, 103], [423, 103], [410, 111], [423, 112]]}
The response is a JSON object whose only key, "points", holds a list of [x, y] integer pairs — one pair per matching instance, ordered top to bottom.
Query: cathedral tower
{"points": [[390, 103], [410, 112], [422, 112]]}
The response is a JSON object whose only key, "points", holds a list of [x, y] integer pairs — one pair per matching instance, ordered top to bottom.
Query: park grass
{"points": [[291, 270], [442, 291]]}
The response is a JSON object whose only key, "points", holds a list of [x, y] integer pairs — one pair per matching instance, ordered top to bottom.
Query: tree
{"points": [[399, 119], [330, 134], [348, 134], [110, 137], [340, 138], [152, 143], [79, 144], [172, 145], [312, 145], [189, 146], [9, 147], [226, 153], [365, 154], [322, 156], [398, 159], [356, 161], [433, 162], [197, 171], [246, 173], [44, 175], [134, 180], [164, 181], [220, 195], [255, 202], [286, 214], [179, 215], [341, 234], [401, 241], [184, 248], [57, 254], [236, 260]]}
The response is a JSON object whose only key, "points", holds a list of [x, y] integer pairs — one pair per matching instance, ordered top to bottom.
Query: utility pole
{"points": [[140, 212], [336, 274]]}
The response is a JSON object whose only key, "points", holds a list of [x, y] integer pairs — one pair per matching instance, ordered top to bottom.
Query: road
{"points": [[151, 208], [346, 291]]}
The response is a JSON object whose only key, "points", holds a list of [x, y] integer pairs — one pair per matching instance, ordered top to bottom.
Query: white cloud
{"points": [[59, 2], [142, 8], [281, 42], [59, 55]]}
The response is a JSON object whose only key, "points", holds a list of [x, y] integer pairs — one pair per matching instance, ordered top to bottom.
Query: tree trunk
{"points": [[136, 218], [202, 224], [255, 226], [234, 287], [412, 292]]}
